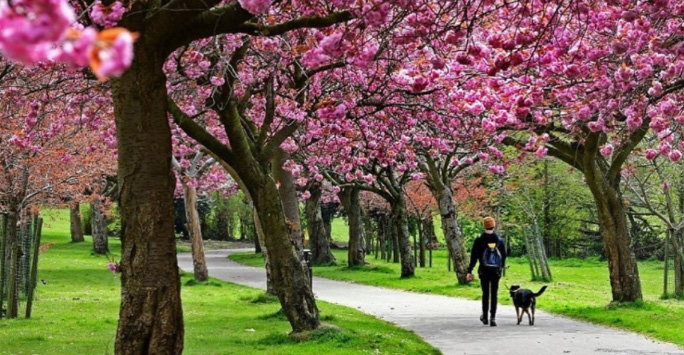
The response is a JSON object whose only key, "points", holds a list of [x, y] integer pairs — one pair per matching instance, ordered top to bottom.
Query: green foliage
{"points": [[581, 289], [76, 312]]}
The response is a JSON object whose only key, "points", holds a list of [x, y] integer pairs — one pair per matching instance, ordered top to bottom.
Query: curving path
{"points": [[451, 324]]}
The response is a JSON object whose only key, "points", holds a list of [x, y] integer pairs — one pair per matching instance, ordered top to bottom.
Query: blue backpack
{"points": [[491, 258]]}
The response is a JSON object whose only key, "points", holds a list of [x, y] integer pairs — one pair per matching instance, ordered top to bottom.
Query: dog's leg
{"points": [[517, 314], [529, 316], [532, 321]]}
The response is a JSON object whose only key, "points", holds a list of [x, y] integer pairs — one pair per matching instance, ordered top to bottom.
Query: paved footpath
{"points": [[451, 324]]}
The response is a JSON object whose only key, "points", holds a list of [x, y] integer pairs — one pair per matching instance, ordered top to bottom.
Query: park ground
{"points": [[580, 288], [76, 312]]}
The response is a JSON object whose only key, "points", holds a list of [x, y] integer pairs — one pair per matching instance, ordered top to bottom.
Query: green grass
{"points": [[339, 229], [580, 290], [76, 312]]}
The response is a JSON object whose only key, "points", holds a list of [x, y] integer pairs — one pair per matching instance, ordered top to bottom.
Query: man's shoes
{"points": [[483, 319], [492, 322]]}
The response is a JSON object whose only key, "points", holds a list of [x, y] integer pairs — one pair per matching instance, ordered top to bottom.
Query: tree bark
{"points": [[350, 201], [290, 202], [400, 221], [98, 222], [75, 223], [452, 232], [677, 240], [260, 241], [319, 242], [8, 247], [3, 258], [199, 262], [624, 272], [288, 274], [151, 317]]}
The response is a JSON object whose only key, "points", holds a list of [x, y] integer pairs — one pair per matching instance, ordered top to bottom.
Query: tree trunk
{"points": [[290, 201], [350, 201], [400, 220], [75, 222], [99, 226], [426, 232], [452, 232], [677, 239], [261, 241], [319, 243], [8, 248], [541, 254], [3, 258], [199, 262], [624, 272], [289, 276], [151, 317]]}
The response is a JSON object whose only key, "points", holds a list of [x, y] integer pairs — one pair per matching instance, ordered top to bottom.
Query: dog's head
{"points": [[513, 289]]}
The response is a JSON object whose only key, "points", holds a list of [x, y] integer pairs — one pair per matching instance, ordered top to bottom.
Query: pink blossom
{"points": [[255, 7], [107, 16], [29, 28], [333, 45], [76, 48], [113, 53], [314, 58], [217, 80], [664, 148], [607, 150], [541, 152], [651, 154], [675, 155], [497, 169], [306, 195], [113, 266]]}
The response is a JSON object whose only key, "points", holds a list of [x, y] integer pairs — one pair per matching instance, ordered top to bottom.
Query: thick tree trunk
{"points": [[350, 201], [290, 202], [400, 221], [98, 222], [75, 223], [452, 233], [677, 239], [319, 243], [3, 259], [199, 263], [624, 272], [289, 276], [7, 284], [151, 317]]}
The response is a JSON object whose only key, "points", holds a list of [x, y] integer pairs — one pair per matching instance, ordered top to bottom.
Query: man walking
{"points": [[490, 251]]}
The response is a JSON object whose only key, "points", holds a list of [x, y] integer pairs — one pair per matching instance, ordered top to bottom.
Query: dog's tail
{"points": [[540, 292]]}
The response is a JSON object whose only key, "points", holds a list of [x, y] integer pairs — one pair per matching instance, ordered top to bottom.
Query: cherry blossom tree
{"points": [[589, 92]]}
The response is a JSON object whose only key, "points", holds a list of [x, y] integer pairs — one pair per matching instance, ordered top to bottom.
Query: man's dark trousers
{"points": [[489, 281]]}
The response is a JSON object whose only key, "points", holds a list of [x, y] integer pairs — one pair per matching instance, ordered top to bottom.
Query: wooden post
{"points": [[38, 227], [26, 237], [430, 257], [13, 289]]}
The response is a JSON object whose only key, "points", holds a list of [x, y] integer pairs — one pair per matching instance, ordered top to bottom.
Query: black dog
{"points": [[525, 299]]}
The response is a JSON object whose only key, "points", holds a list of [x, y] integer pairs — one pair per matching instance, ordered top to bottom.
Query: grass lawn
{"points": [[580, 290], [76, 313]]}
